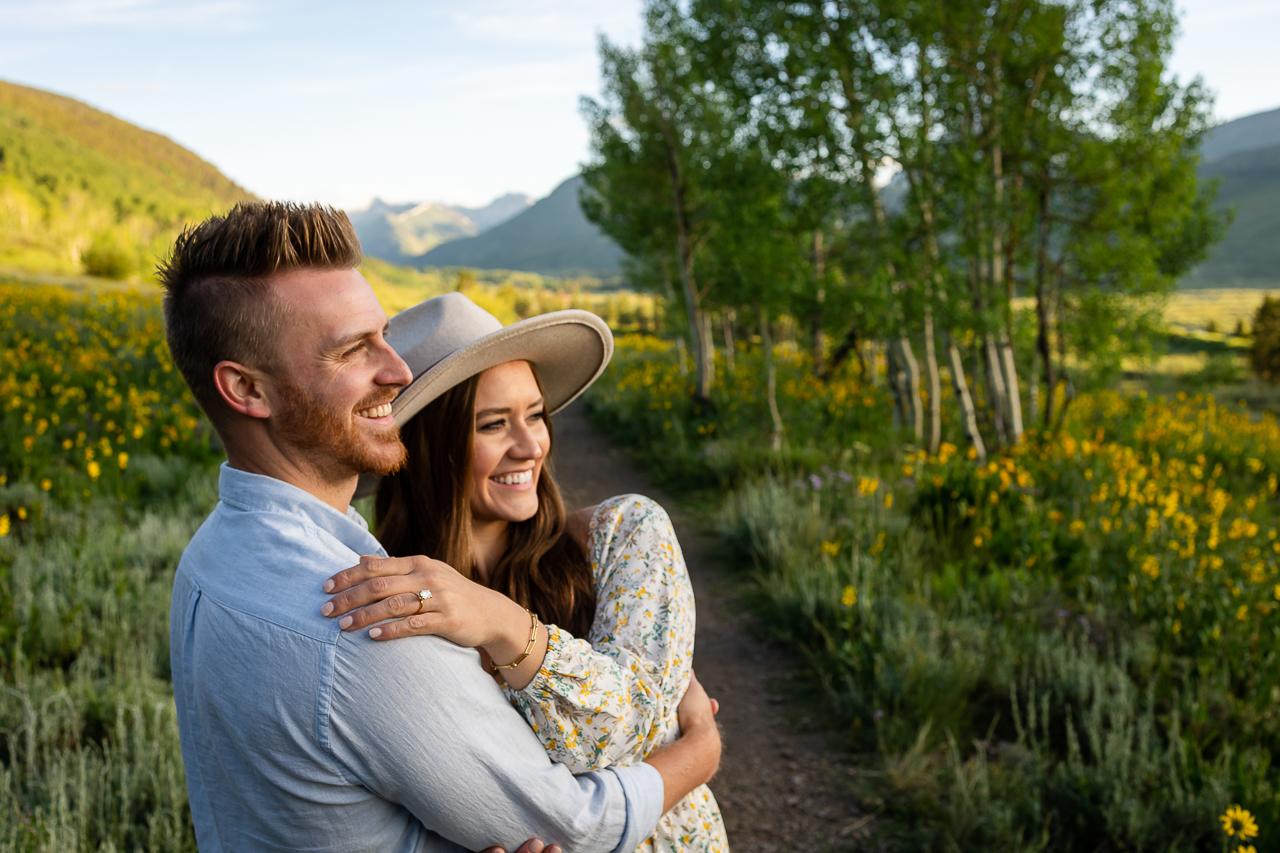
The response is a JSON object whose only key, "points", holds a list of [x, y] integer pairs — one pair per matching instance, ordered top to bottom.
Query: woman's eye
{"points": [[538, 416], [492, 426]]}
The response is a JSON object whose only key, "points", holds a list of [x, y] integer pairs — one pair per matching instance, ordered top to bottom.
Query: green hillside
{"points": [[83, 191], [552, 238], [1250, 251]]}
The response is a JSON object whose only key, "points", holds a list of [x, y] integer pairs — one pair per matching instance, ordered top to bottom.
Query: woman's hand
{"points": [[383, 588], [460, 610]]}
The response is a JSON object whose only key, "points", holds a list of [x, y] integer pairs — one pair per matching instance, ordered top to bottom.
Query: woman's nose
{"points": [[526, 444]]}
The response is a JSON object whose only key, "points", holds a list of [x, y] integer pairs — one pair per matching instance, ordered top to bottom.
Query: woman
{"points": [[476, 494]]}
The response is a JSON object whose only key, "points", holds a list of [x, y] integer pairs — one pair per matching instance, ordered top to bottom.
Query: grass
{"points": [[1072, 647]]}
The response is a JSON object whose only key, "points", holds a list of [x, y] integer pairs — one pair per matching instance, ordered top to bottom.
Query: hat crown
{"points": [[431, 331]]}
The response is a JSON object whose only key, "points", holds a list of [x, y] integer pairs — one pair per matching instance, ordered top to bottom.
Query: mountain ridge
{"points": [[84, 191]]}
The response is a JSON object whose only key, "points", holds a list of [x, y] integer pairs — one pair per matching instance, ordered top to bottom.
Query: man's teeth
{"points": [[376, 412], [516, 479]]}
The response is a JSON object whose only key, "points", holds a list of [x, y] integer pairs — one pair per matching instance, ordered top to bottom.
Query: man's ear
{"points": [[242, 388]]}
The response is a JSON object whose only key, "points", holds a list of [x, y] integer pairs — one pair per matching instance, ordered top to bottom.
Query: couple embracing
{"points": [[489, 671]]}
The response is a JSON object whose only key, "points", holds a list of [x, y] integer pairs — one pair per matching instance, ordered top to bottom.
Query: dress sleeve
{"points": [[613, 700]]}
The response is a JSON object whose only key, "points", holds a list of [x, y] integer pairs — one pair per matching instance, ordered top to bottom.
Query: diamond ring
{"points": [[423, 596]]}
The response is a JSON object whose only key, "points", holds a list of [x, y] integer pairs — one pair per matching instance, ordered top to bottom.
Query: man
{"points": [[296, 734]]}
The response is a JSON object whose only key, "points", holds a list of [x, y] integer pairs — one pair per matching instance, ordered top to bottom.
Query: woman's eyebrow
{"points": [[505, 410]]}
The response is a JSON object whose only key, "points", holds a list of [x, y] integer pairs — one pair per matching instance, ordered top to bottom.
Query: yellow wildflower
{"points": [[122, 460], [95, 470], [46, 484], [888, 501], [4, 524], [831, 548], [850, 597], [1238, 821]]}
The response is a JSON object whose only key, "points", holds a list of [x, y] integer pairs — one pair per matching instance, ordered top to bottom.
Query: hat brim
{"points": [[569, 349]]}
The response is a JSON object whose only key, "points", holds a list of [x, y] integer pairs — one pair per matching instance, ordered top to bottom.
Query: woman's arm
{"points": [[460, 610], [614, 700], [609, 701]]}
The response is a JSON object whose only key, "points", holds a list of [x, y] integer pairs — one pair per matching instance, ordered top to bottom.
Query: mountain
{"points": [[1259, 130], [1244, 155], [84, 191], [497, 211], [402, 233], [552, 238], [1250, 251]]}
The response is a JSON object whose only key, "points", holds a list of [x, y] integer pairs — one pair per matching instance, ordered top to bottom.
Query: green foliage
{"points": [[70, 174], [106, 257], [1265, 355], [1071, 647]]}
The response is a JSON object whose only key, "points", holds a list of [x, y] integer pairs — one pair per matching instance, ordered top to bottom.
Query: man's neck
{"points": [[270, 462]]}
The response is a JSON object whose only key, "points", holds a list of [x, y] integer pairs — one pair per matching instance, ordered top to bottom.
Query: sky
{"points": [[457, 102]]}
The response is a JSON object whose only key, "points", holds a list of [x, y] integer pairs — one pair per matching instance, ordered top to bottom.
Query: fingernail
{"points": [[328, 585], [326, 608], [345, 622], [375, 633], [535, 846]]}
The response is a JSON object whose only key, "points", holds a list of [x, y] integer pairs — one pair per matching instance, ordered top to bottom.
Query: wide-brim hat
{"points": [[448, 339]]}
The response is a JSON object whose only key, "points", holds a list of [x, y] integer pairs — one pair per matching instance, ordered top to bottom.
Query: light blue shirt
{"points": [[299, 736]]}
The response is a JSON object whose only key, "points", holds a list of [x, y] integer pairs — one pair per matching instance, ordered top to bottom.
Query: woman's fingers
{"points": [[371, 567], [371, 590], [392, 607], [420, 623]]}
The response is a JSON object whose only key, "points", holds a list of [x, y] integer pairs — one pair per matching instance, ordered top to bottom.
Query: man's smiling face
{"points": [[335, 375]]}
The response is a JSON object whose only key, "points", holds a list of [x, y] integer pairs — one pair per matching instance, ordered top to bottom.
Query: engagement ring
{"points": [[423, 596]]}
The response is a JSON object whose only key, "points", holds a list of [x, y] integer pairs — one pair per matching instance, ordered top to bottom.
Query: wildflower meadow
{"points": [[1071, 645]]}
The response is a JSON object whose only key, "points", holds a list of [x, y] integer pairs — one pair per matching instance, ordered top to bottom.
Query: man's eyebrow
{"points": [[356, 337]]}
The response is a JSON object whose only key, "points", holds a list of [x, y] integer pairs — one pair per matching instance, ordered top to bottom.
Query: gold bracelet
{"points": [[533, 639]]}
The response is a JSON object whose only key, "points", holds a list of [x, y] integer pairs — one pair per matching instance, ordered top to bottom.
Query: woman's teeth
{"points": [[376, 412], [516, 479]]}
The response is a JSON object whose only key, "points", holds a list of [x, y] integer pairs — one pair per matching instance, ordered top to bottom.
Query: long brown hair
{"points": [[426, 509]]}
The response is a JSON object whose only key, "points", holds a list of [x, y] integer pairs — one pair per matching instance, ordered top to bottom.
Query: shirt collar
{"points": [[259, 493]]}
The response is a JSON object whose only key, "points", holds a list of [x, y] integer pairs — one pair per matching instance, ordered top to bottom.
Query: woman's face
{"points": [[511, 443]]}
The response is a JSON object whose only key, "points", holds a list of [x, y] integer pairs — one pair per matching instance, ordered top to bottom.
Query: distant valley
{"points": [[1245, 156], [550, 236]]}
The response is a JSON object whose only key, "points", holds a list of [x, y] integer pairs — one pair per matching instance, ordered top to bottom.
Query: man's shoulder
{"points": [[265, 565]]}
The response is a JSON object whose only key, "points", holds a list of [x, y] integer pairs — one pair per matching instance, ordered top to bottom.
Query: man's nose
{"points": [[394, 371]]}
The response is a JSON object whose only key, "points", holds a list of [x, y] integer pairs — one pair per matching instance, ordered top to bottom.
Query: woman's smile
{"points": [[517, 478]]}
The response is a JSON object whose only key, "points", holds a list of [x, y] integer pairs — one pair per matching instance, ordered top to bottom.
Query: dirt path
{"points": [[780, 787]]}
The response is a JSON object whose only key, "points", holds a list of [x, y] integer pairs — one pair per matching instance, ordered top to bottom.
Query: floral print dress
{"points": [[613, 701]]}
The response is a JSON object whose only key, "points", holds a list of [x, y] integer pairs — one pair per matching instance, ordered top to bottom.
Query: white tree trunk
{"points": [[771, 380], [995, 386], [1012, 395], [913, 401], [967, 410]]}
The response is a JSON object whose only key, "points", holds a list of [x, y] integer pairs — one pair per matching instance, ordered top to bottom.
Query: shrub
{"points": [[107, 258], [1265, 356]]}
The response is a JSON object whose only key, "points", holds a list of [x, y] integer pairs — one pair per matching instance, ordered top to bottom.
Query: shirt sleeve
{"points": [[613, 701], [419, 723]]}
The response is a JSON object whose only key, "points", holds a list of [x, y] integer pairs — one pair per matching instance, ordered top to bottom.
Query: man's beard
{"points": [[330, 440]]}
